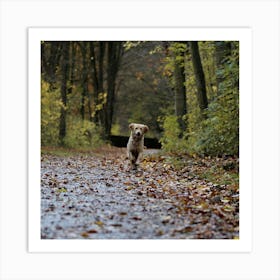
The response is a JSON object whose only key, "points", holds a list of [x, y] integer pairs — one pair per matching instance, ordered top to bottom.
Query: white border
{"points": [[243, 35], [262, 263]]}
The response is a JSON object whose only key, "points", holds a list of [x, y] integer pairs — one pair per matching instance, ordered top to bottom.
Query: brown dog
{"points": [[135, 145]]}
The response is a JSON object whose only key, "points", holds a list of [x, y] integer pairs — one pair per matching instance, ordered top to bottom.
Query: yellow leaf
{"points": [[228, 208], [99, 223]]}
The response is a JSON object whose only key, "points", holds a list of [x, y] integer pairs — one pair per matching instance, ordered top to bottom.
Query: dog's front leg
{"points": [[133, 159], [138, 160]]}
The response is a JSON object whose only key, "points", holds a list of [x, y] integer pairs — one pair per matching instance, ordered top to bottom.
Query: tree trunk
{"points": [[102, 47], [114, 52], [97, 53], [72, 66], [199, 78], [84, 79], [94, 81], [63, 90], [180, 91]]}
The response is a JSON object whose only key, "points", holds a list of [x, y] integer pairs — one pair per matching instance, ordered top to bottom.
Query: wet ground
{"points": [[97, 196]]}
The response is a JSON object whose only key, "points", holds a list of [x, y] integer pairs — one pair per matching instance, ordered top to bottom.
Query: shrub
{"points": [[50, 114], [82, 134], [220, 134], [170, 140]]}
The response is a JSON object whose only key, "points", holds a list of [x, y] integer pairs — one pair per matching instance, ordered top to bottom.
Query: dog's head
{"points": [[138, 130]]}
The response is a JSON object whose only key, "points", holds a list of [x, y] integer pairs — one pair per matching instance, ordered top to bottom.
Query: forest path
{"points": [[96, 196]]}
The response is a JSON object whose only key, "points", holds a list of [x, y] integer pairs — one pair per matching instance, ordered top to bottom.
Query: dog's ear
{"points": [[131, 126], [146, 128]]}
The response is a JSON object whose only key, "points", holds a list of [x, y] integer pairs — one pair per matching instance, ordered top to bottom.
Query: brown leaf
{"points": [[92, 231]]}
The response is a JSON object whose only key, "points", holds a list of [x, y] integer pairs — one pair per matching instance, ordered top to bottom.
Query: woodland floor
{"points": [[94, 196]]}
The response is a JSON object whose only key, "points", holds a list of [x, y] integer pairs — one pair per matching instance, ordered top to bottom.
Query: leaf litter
{"points": [[96, 196]]}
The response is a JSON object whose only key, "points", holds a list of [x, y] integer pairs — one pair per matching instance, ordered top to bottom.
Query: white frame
{"points": [[262, 16], [243, 35]]}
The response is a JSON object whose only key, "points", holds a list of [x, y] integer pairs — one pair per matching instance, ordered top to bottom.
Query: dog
{"points": [[135, 145]]}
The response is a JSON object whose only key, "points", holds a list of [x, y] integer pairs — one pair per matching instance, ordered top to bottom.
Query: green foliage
{"points": [[131, 44], [176, 50], [207, 54], [101, 101], [50, 114], [115, 130], [218, 133], [82, 134], [170, 139]]}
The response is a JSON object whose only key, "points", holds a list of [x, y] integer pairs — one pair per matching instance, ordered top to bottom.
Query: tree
{"points": [[83, 48], [114, 53], [97, 55], [50, 59], [105, 62], [199, 78], [179, 85], [95, 88], [63, 90], [143, 90]]}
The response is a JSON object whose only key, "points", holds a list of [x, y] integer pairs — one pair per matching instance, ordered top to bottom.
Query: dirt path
{"points": [[95, 196]]}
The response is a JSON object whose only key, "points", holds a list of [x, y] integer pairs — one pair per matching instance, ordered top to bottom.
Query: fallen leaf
{"points": [[136, 218], [165, 219], [99, 223], [92, 231], [85, 234]]}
